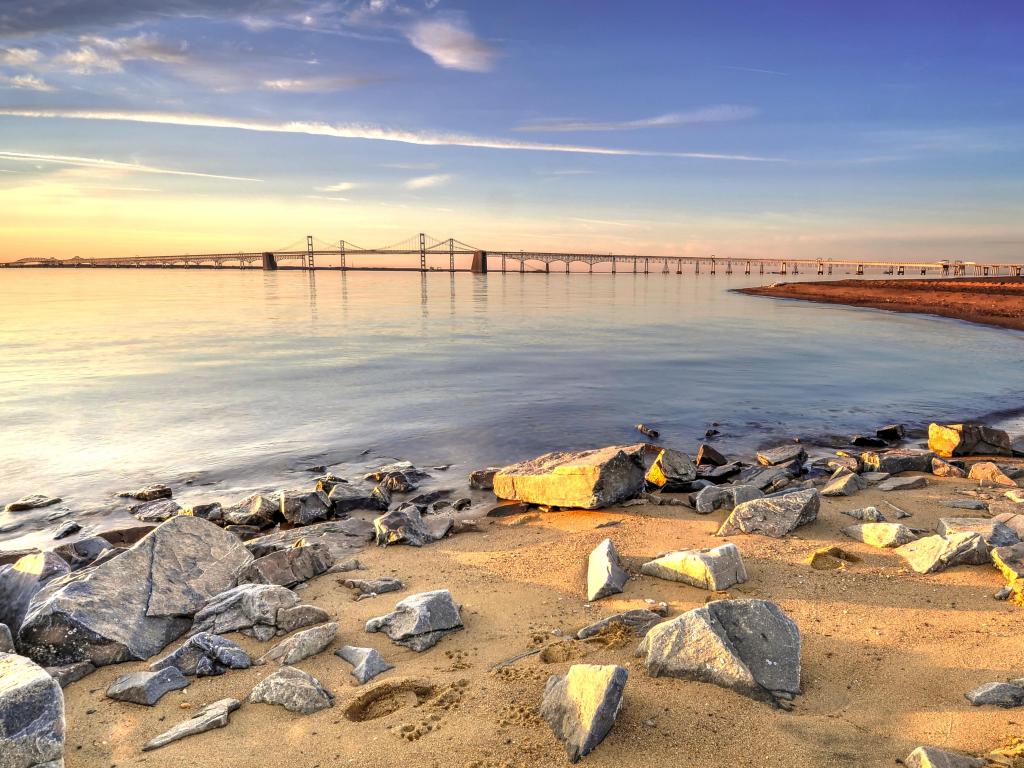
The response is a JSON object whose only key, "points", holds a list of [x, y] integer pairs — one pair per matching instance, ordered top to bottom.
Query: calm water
{"points": [[237, 380]]}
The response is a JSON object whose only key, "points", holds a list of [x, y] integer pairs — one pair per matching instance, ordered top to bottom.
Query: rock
{"points": [[891, 432], [968, 440], [867, 441], [782, 454], [708, 456], [898, 460], [844, 461], [405, 467], [942, 468], [671, 471], [989, 472], [718, 473], [766, 478], [874, 478], [483, 479], [585, 480], [844, 483], [902, 483], [148, 493], [1016, 496], [346, 497], [715, 497], [35, 501], [461, 503], [972, 504], [305, 507], [509, 508], [257, 510], [157, 511], [212, 511], [867, 514], [773, 516], [1012, 520], [11, 526], [402, 526], [67, 529], [995, 533], [126, 535], [881, 535], [340, 537], [78, 554], [932, 554], [10, 556], [831, 559], [1010, 562], [287, 567], [715, 569], [605, 575], [21, 581], [373, 586], [132, 606], [252, 609], [290, 619], [420, 621], [639, 621], [6, 640], [302, 645], [749, 646], [205, 655], [366, 663], [71, 673], [146, 688], [294, 690], [1005, 695], [581, 706], [31, 715], [215, 715], [930, 757]]}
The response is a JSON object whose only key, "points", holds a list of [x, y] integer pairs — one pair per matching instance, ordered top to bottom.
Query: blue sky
{"points": [[741, 128]]}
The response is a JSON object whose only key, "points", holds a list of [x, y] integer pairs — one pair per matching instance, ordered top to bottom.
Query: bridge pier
{"points": [[269, 261], [479, 265], [547, 267]]}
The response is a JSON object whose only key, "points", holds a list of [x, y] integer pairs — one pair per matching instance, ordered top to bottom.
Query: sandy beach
{"points": [[991, 301], [887, 656]]}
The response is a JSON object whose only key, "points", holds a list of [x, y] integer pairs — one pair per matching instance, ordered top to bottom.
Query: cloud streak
{"points": [[452, 45], [26, 83], [717, 114], [361, 131], [111, 165], [425, 182]]}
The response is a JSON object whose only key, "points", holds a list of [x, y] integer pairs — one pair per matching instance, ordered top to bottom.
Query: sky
{"points": [[747, 128]]}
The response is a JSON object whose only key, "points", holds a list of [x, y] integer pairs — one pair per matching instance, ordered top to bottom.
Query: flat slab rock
{"points": [[782, 454], [897, 460], [581, 480], [902, 483], [35, 501], [773, 516], [995, 533], [881, 535], [932, 554], [716, 568], [605, 575], [132, 606], [638, 620], [420, 621], [302, 645], [749, 646], [366, 663], [147, 688], [293, 689], [1007, 695], [582, 705], [31, 715], [215, 715], [930, 757]]}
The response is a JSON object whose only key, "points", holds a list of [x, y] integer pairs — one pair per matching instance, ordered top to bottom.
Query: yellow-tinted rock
{"points": [[967, 440]]}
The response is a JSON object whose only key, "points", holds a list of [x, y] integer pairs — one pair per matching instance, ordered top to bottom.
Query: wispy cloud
{"points": [[452, 45], [105, 55], [18, 57], [755, 69], [26, 83], [317, 84], [716, 114], [360, 131], [110, 165], [424, 182], [341, 186], [333, 198]]}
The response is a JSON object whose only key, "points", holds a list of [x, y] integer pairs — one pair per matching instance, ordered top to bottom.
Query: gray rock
{"points": [[891, 432], [968, 440], [782, 454], [897, 460], [405, 467], [672, 471], [765, 478], [874, 478], [483, 479], [584, 480], [397, 482], [844, 483], [902, 483], [148, 493], [346, 497], [724, 497], [35, 501], [972, 504], [305, 507], [257, 510], [157, 511], [211, 511], [867, 514], [773, 516], [1012, 520], [403, 526], [67, 529], [995, 533], [881, 535], [341, 538], [83, 552], [932, 554], [1010, 562], [288, 567], [715, 569], [605, 575], [22, 580], [374, 586], [132, 606], [249, 608], [290, 619], [639, 620], [420, 621], [6, 640], [302, 645], [749, 646], [205, 655], [366, 663], [71, 673], [146, 688], [294, 690], [1005, 695], [581, 706], [31, 715], [215, 715], [930, 757]]}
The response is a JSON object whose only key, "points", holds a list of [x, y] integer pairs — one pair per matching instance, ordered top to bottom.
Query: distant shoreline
{"points": [[996, 302]]}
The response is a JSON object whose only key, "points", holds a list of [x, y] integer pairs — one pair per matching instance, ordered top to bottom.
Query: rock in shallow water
{"points": [[782, 454], [35, 501], [305, 507], [773, 516], [716, 569], [605, 575], [22, 580], [420, 621], [366, 663], [146, 688], [294, 690], [581, 706], [31, 715], [211, 716]]}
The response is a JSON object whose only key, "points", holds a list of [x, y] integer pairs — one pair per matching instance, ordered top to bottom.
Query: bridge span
{"points": [[440, 255]]}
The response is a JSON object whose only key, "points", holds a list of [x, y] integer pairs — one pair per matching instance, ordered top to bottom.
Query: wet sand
{"points": [[990, 301], [887, 657]]}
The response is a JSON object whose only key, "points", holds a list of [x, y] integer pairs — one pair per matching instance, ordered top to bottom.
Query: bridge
{"points": [[319, 254]]}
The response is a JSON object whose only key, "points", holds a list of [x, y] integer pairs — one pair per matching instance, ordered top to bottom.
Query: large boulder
{"points": [[968, 440], [897, 460], [672, 471], [584, 479], [346, 497], [773, 516], [932, 554], [287, 567], [715, 569], [605, 575], [20, 581], [132, 606], [252, 609], [420, 621], [749, 646], [293, 689], [582, 705], [31, 715], [211, 716], [931, 757]]}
